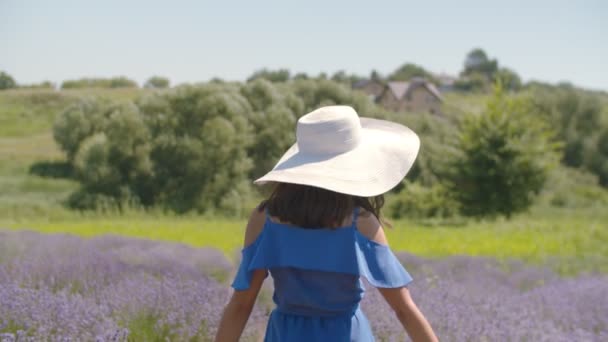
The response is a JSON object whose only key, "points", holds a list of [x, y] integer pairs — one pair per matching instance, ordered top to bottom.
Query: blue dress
{"points": [[317, 280]]}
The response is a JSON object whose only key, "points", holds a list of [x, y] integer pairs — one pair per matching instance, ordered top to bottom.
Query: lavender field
{"points": [[110, 288]]}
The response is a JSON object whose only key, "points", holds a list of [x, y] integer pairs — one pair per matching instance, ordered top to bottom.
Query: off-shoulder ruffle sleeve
{"points": [[342, 251], [379, 264], [242, 280]]}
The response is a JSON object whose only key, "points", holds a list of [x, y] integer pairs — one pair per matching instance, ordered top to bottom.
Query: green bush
{"points": [[281, 75], [7, 81], [115, 82], [157, 82], [41, 85], [576, 116], [273, 120], [79, 121], [200, 136], [438, 137], [504, 156], [596, 156], [573, 188], [417, 201]]}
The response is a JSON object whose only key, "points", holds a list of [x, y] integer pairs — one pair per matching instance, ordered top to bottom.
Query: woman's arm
{"points": [[238, 309], [414, 322]]}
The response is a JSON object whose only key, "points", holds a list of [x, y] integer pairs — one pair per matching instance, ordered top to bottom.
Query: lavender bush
{"points": [[61, 287], [110, 288], [479, 299]]}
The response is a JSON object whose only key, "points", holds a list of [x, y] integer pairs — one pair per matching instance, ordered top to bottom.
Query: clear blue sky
{"points": [[188, 41]]}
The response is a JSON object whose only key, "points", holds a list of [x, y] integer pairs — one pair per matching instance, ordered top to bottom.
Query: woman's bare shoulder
{"points": [[255, 225], [370, 227]]}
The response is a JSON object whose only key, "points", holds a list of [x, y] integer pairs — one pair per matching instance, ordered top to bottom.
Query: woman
{"points": [[319, 233]]}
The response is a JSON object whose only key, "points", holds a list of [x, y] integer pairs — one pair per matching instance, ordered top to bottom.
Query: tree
{"points": [[477, 61], [408, 71], [281, 75], [301, 76], [341, 76], [375, 76], [508, 78], [7, 81], [115, 82], [122, 82], [157, 82], [474, 82], [41, 85], [317, 93], [575, 116], [273, 119], [78, 122], [200, 138], [504, 156], [597, 160]]}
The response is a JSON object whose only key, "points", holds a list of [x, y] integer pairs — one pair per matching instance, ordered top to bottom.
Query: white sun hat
{"points": [[339, 151]]}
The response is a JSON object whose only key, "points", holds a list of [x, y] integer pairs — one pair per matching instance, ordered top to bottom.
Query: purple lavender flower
{"points": [[111, 288]]}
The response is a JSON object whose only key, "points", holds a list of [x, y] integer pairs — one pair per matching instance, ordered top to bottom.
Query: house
{"points": [[417, 95]]}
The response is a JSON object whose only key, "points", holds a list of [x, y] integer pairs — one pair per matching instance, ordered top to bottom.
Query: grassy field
{"points": [[572, 241], [569, 242]]}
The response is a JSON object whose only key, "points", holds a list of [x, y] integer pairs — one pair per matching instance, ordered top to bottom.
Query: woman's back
{"points": [[339, 163], [316, 274]]}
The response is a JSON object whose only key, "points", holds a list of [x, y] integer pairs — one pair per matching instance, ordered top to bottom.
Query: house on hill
{"points": [[417, 95]]}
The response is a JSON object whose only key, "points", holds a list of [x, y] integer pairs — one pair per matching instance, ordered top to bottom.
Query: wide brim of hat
{"points": [[382, 159]]}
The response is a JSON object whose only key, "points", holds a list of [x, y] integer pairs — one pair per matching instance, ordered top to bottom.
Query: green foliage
{"points": [[477, 61], [408, 71], [480, 72], [281, 75], [374, 75], [341, 76], [508, 78], [7, 81], [115, 82], [157, 82], [473, 82], [41, 85], [317, 93], [27, 112], [577, 118], [273, 119], [79, 121], [438, 137], [200, 139], [204, 144], [108, 147], [195, 148], [597, 157], [504, 158], [115, 162], [574, 189], [416, 201], [575, 240]]}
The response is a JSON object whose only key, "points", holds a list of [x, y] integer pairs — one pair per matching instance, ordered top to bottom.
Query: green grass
{"points": [[458, 103], [25, 112], [23, 194], [571, 243]]}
